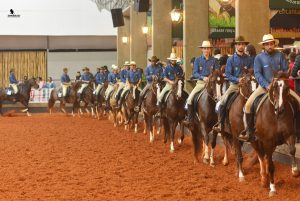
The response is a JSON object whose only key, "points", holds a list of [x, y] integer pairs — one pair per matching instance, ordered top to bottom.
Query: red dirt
{"points": [[66, 158]]}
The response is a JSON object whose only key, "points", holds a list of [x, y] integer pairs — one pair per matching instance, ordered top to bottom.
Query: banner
{"points": [[284, 4], [222, 18]]}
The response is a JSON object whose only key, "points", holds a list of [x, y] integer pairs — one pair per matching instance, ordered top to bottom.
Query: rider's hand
{"points": [[205, 79], [172, 82], [269, 87]]}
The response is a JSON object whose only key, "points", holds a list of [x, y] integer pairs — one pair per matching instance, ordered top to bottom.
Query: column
{"points": [[195, 30], [123, 53]]}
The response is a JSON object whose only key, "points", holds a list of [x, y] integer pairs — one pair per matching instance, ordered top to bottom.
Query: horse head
{"points": [[32, 82], [156, 84], [215, 84], [245, 84], [178, 86], [279, 91]]}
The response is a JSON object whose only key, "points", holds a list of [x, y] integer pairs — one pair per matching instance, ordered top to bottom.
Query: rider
{"points": [[265, 64], [203, 66], [234, 68], [151, 70], [172, 70], [123, 77], [133, 78], [85, 79], [100, 79], [112, 80], [13, 81], [65, 82]]}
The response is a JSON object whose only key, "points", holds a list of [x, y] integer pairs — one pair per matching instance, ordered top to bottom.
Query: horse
{"points": [[22, 96], [71, 97], [87, 97], [99, 100], [130, 102], [113, 103], [150, 108], [173, 112], [278, 113], [206, 117], [233, 124]]}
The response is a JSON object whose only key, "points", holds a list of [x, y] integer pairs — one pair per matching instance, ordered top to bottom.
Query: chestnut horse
{"points": [[22, 96], [71, 97], [87, 98], [99, 100], [150, 108], [173, 112], [206, 117], [233, 124], [275, 125]]}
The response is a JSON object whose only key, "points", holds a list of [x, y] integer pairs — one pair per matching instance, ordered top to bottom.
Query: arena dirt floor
{"points": [[65, 158]]}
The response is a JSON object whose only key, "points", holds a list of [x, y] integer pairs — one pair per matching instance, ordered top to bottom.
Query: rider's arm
{"points": [[296, 67], [258, 69], [229, 70], [196, 72]]}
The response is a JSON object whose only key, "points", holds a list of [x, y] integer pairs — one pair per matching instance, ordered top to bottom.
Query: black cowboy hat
{"points": [[240, 39], [154, 59]]}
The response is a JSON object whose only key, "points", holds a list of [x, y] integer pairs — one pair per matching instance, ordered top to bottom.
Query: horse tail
{"points": [[52, 99]]}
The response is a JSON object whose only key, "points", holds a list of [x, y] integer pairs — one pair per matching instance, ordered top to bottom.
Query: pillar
{"points": [[123, 53]]}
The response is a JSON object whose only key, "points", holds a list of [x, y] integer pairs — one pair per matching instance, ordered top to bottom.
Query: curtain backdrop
{"points": [[30, 63]]}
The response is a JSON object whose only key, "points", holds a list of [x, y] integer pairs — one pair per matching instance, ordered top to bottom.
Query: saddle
{"points": [[10, 91], [60, 94], [196, 99], [259, 100], [228, 103]]}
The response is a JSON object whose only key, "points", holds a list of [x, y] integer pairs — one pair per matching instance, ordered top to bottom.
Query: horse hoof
{"points": [[151, 140], [179, 141], [172, 151], [206, 160], [225, 163], [212, 164], [295, 173], [241, 179], [264, 183], [272, 193]]}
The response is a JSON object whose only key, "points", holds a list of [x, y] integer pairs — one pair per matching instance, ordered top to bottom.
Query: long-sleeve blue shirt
{"points": [[265, 64], [202, 66], [234, 66], [296, 67], [153, 70], [171, 72], [124, 75], [134, 76], [86, 77], [65, 78], [100, 78], [112, 78], [12, 79]]}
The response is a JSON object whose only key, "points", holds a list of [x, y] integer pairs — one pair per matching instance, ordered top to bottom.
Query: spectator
{"points": [[251, 51], [286, 53], [40, 82], [50, 84]]}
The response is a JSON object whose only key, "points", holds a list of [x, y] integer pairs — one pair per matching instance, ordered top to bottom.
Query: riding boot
{"points": [[189, 118], [221, 119], [248, 133]]}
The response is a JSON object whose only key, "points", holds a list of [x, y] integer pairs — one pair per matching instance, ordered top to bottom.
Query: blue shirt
{"points": [[265, 64], [235, 65], [202, 67], [153, 70], [171, 72], [124, 75], [134, 76], [86, 77], [12, 78], [65, 78], [100, 78], [112, 78], [50, 85]]}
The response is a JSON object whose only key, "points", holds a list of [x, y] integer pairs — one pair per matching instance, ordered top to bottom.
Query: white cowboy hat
{"points": [[268, 38], [205, 43], [172, 57], [126, 63], [132, 63], [114, 67]]}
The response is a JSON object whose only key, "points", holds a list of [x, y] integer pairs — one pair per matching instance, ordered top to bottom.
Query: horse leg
{"points": [[25, 103], [135, 114], [145, 125], [150, 127], [167, 129], [172, 134], [180, 140], [206, 142], [197, 145], [213, 146], [226, 147], [292, 149], [261, 154], [239, 159], [270, 170]]}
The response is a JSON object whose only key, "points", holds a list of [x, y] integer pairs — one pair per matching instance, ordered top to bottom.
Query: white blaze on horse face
{"points": [[281, 85], [134, 88], [179, 90], [219, 91]]}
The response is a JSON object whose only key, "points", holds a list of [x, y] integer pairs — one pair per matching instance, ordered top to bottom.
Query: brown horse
{"points": [[22, 96], [71, 97], [87, 98], [99, 100], [130, 102], [113, 103], [150, 108], [173, 112], [278, 114], [206, 117], [234, 125]]}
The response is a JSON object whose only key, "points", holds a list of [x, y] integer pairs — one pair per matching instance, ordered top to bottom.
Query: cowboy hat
{"points": [[268, 38], [240, 39], [205, 43], [172, 57], [153, 59], [126, 63], [132, 63], [114, 67], [85, 68]]}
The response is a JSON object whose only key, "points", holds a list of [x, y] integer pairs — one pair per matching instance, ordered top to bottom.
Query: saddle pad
{"points": [[166, 96], [197, 98], [230, 99], [258, 102]]}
